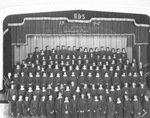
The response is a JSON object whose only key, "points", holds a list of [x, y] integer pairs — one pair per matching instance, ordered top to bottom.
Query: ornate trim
{"points": [[78, 21], [5, 31]]}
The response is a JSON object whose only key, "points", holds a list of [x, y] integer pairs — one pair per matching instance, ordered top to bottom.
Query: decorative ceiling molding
{"points": [[78, 21]]}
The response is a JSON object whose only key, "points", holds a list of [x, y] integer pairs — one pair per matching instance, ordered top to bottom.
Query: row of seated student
{"points": [[103, 67], [106, 79], [62, 102]]}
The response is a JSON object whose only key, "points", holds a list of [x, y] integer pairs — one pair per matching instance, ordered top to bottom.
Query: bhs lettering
{"points": [[79, 16]]}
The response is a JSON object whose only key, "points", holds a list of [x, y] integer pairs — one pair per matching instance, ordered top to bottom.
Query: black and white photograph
{"points": [[75, 59]]}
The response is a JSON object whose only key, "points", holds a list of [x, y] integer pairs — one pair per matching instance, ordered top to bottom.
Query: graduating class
{"points": [[78, 83]]}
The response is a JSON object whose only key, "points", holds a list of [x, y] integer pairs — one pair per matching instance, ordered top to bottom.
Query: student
{"points": [[36, 52], [47, 52], [25, 69], [32, 69], [17, 70], [49, 70], [73, 78], [124, 78], [23, 79], [31, 79], [44, 79], [50, 79], [65, 79], [81, 79], [89, 79], [98, 79], [115, 79], [15, 80], [57, 80], [107, 80], [72, 88], [49, 90], [85, 90], [93, 90], [100, 90], [133, 90], [22, 91], [11, 92], [37, 92], [43, 92], [141, 92], [29, 93], [67, 93], [112, 93], [119, 93], [34, 105], [58, 105], [12, 106], [82, 106], [89, 106], [102, 106], [19, 107], [26, 107], [42, 107], [50, 107], [74, 107], [128, 107], [137, 107], [146, 107], [66, 108], [95, 108], [110, 108], [119, 109]]}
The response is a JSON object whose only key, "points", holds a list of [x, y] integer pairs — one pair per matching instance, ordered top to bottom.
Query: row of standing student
{"points": [[83, 107]]}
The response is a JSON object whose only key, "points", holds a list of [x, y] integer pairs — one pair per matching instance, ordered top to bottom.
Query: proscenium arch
{"points": [[63, 6]]}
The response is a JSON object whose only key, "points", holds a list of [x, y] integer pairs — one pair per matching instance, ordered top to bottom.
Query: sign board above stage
{"points": [[64, 26]]}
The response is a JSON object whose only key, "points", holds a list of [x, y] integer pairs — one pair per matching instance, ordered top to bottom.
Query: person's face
{"points": [[47, 48], [69, 48], [74, 48], [36, 49], [96, 49], [32, 65], [18, 66], [12, 86], [30, 88], [59, 94], [82, 95], [13, 97], [34, 97], [50, 97], [74, 97], [95, 97], [100, 97], [135, 97], [146, 97], [26, 98], [110, 99], [118, 99]]}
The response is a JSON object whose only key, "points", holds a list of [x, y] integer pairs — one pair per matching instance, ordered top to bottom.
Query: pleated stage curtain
{"points": [[89, 41]]}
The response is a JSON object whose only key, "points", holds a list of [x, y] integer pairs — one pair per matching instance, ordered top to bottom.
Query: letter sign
{"points": [[79, 16]]}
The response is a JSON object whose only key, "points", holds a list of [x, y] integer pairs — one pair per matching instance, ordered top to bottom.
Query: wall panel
{"points": [[93, 27]]}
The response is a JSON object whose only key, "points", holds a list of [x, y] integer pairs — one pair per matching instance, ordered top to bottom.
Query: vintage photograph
{"points": [[84, 62]]}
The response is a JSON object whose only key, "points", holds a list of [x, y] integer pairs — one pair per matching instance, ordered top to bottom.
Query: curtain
{"points": [[89, 41]]}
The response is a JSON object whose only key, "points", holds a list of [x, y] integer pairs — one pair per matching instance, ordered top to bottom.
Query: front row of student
{"points": [[84, 107]]}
